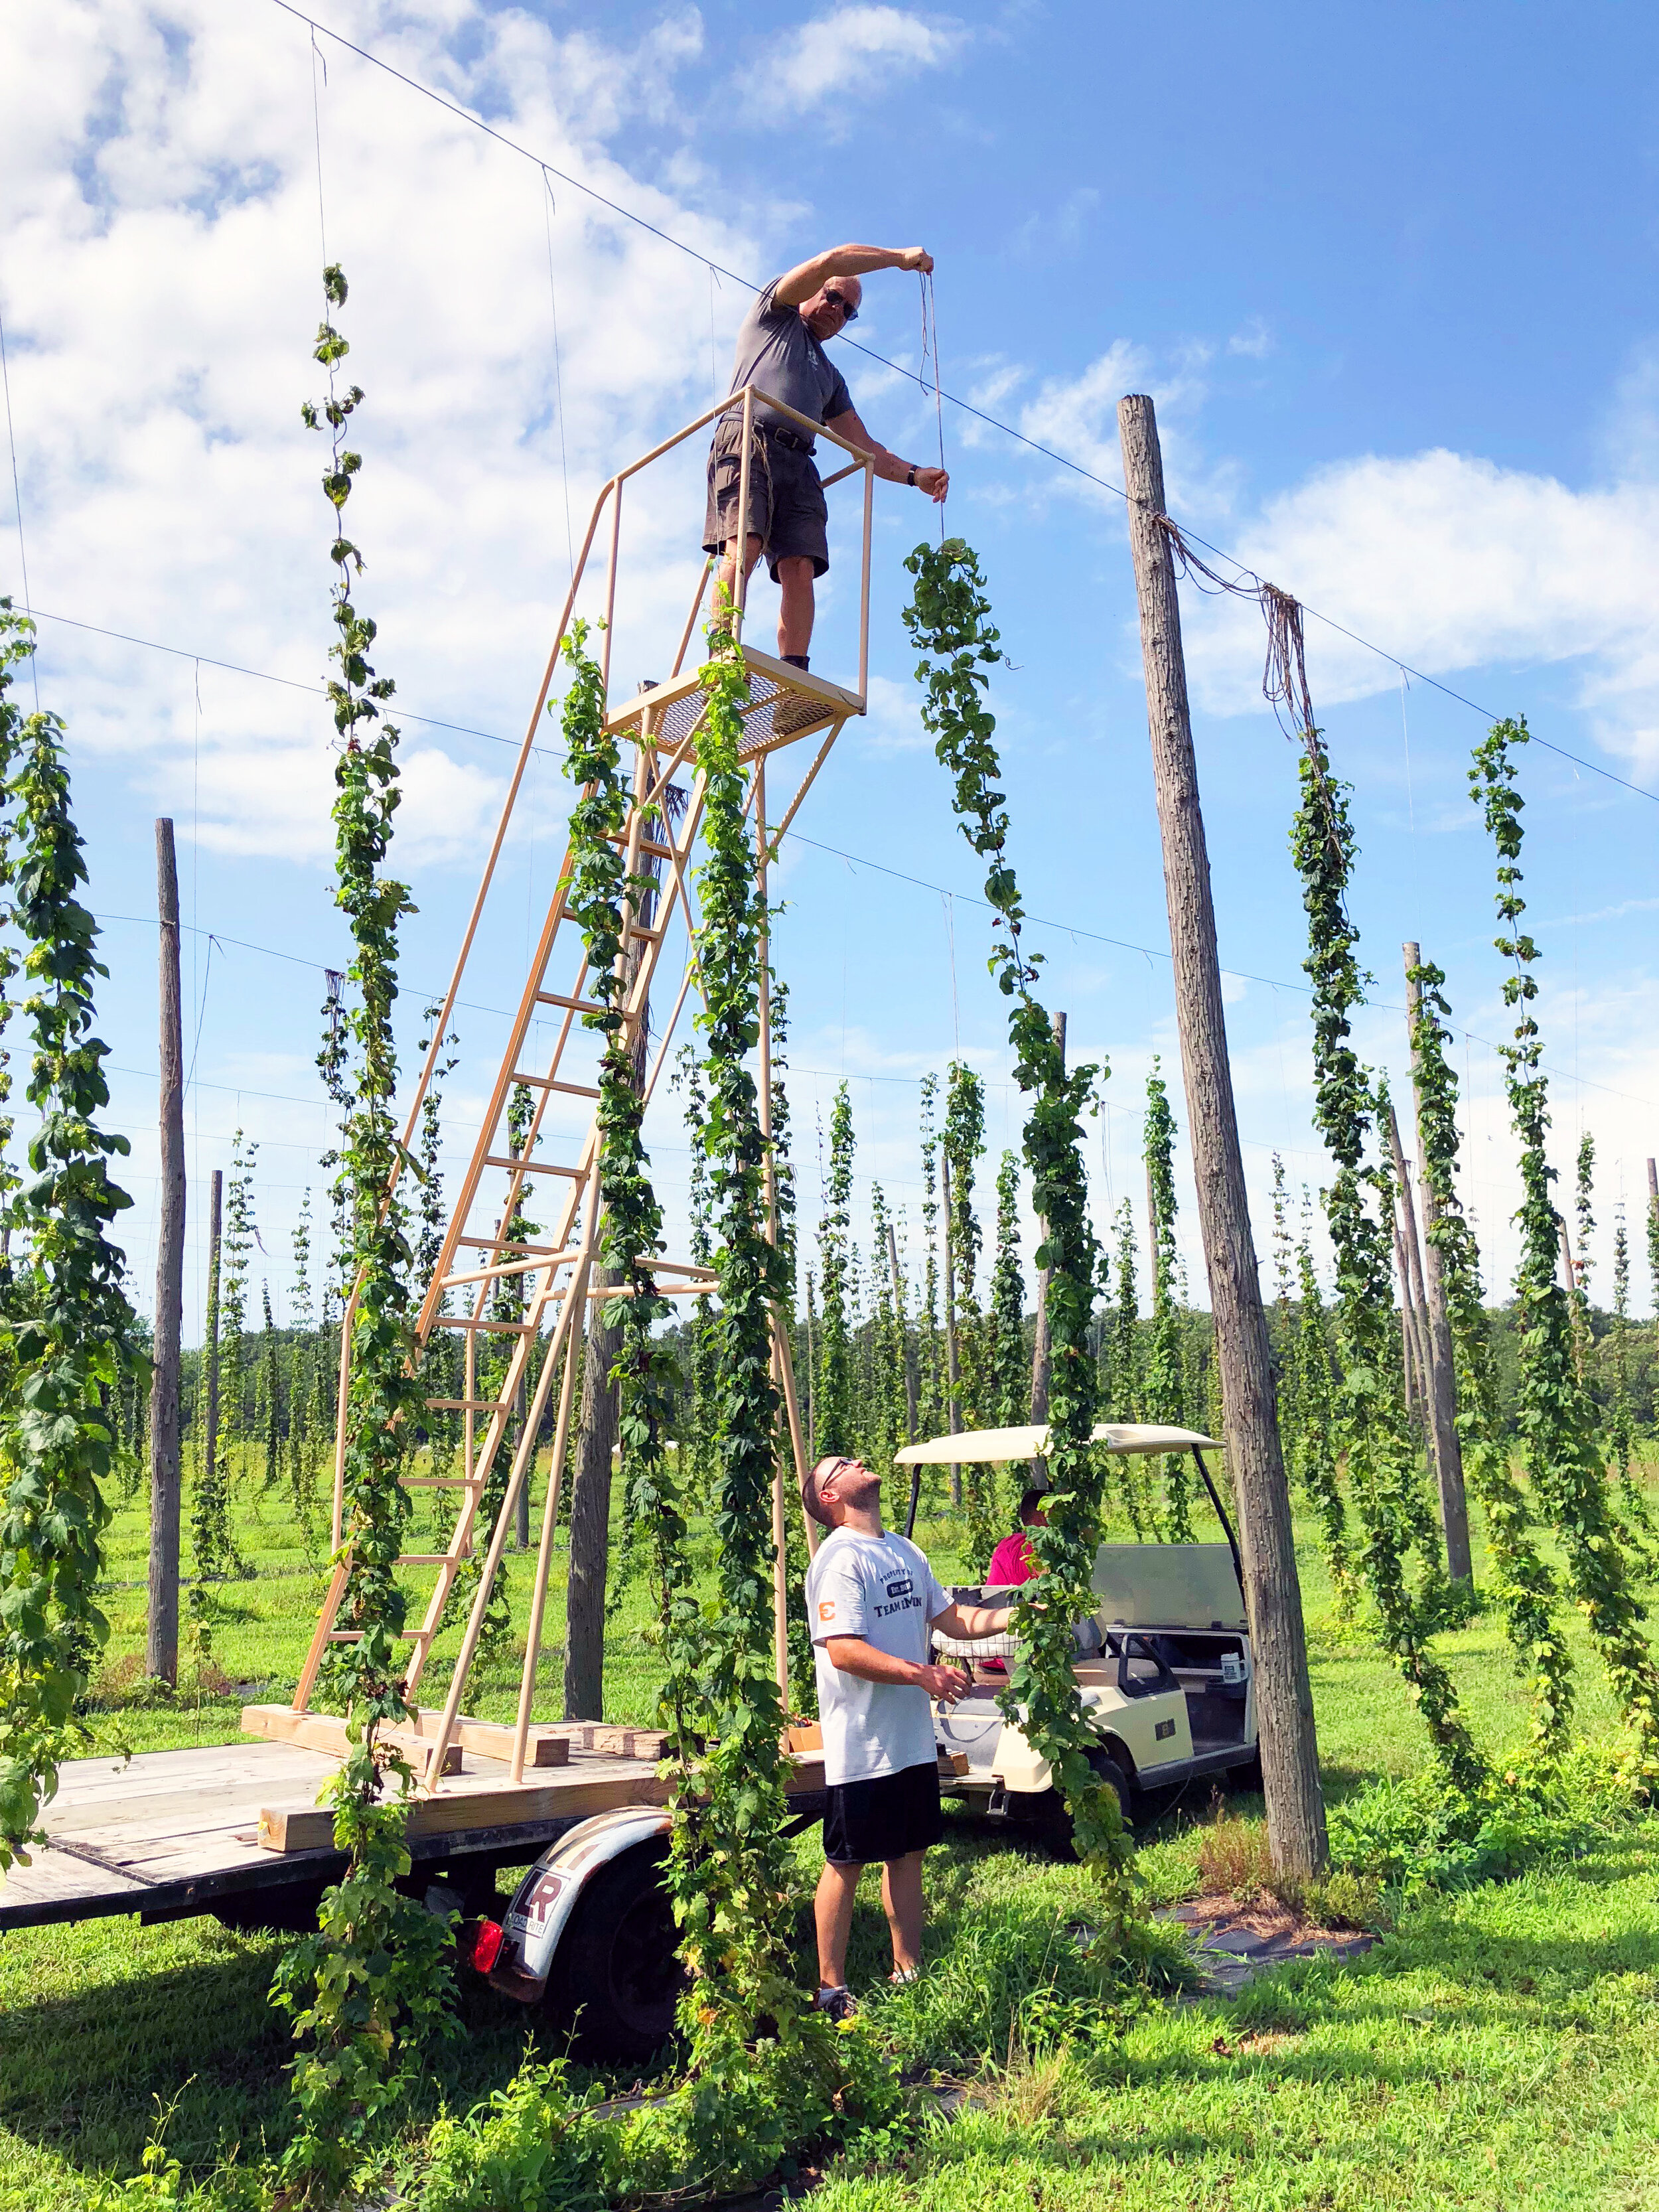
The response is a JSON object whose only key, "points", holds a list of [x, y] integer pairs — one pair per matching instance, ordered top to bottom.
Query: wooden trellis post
{"points": [[162, 1654], [1290, 1757]]}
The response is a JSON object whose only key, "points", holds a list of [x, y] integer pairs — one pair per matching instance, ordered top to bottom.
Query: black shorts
{"points": [[787, 511], [887, 1817]]}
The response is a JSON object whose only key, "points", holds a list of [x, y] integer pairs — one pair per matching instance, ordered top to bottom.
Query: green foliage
{"points": [[948, 619], [604, 900], [962, 1142], [1577, 1265], [69, 1325], [930, 1347], [1119, 1367], [1010, 1369], [1165, 1385], [834, 1394], [882, 1422], [1621, 1422], [1316, 1425], [696, 1430], [1558, 1432], [1382, 1472], [211, 1537], [1521, 1584], [1418, 1834], [377, 1960], [1016, 1978], [747, 2020], [535, 2147]]}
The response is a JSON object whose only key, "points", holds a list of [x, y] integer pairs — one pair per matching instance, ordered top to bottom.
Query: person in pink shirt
{"points": [[1012, 1560]]}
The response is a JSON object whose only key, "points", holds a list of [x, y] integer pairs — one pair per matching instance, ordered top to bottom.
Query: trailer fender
{"points": [[545, 1899]]}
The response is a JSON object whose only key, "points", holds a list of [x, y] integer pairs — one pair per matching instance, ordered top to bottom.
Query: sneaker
{"points": [[840, 2003]]}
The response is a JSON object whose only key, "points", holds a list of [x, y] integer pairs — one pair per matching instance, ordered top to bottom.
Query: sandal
{"points": [[839, 2003]]}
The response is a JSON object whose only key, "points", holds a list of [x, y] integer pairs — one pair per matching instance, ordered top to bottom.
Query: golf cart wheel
{"points": [[1110, 1771], [1052, 1823], [615, 1976]]}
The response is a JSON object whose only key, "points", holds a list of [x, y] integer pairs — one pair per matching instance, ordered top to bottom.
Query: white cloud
{"points": [[860, 50], [160, 293], [1255, 341], [1453, 563]]}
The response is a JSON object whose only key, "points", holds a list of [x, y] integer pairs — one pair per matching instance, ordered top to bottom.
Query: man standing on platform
{"points": [[780, 347], [872, 1600]]}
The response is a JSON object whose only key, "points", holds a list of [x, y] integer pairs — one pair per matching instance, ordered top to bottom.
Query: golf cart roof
{"points": [[982, 1447]]}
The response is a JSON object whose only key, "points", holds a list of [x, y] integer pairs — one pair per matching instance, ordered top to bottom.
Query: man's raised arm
{"points": [[798, 286], [967, 1623]]}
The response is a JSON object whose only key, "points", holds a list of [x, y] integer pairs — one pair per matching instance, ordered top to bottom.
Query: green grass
{"points": [[1500, 2049]]}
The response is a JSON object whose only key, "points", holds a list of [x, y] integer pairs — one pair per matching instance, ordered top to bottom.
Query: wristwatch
{"points": [[911, 474]]}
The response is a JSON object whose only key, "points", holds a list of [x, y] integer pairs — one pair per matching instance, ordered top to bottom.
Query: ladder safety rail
{"points": [[526, 1293]]}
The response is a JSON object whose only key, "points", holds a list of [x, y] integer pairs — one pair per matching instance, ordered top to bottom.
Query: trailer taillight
{"points": [[486, 1944]]}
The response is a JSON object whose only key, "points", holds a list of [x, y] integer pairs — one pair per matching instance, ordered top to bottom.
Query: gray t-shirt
{"points": [[777, 351], [881, 1588]]}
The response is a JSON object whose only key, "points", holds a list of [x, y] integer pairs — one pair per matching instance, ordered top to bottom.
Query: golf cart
{"points": [[1163, 1663]]}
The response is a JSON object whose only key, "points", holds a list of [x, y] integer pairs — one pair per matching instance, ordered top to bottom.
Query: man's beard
{"points": [[865, 1496]]}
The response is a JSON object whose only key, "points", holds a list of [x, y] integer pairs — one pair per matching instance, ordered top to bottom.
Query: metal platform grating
{"points": [[778, 711]]}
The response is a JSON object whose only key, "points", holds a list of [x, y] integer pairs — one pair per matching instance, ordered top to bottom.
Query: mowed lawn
{"points": [[1499, 2048]]}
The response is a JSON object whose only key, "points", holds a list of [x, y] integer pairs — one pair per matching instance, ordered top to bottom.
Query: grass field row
{"points": [[1498, 2049]]}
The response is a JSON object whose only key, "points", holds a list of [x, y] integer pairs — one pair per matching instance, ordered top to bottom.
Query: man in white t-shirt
{"points": [[872, 1602]]}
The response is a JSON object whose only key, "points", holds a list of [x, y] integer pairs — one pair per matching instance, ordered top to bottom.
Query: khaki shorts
{"points": [[787, 511]]}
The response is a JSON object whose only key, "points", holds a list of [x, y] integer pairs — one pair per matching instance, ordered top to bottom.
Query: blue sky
{"points": [[1388, 273]]}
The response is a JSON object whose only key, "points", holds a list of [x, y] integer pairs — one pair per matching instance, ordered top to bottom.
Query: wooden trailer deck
{"points": [[171, 1833]]}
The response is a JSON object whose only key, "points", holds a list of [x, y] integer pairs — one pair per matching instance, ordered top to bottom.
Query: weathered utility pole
{"points": [[1413, 1305], [1042, 1354], [1447, 1446], [589, 1507], [161, 1641], [1289, 1752]]}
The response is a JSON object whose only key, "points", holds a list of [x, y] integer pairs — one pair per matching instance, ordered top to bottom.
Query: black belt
{"points": [[796, 445]]}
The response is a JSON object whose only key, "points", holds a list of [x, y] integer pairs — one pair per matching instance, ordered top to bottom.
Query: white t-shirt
{"points": [[882, 1589]]}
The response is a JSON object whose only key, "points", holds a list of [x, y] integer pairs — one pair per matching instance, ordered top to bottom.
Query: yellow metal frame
{"points": [[662, 724]]}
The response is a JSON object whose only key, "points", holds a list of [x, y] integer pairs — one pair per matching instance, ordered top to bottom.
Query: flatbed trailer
{"points": [[235, 1831]]}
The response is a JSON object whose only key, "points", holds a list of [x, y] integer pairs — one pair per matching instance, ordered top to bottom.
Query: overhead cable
{"points": [[918, 378]]}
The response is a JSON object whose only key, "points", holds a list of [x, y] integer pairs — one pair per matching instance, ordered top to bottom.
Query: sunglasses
{"points": [[850, 313]]}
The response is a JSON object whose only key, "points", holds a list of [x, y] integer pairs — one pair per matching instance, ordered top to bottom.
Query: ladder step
{"points": [[646, 845], [575, 1006], [549, 1083], [534, 1167], [521, 1251], [489, 1327], [463, 1405], [443, 1482], [431, 1559], [404, 1635]]}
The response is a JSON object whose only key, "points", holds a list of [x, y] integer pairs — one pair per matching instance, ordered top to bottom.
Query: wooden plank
{"points": [[327, 1732], [487, 1738], [230, 1776], [307, 1827]]}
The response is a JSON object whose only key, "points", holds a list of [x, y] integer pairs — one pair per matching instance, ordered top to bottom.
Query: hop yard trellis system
{"points": [[479, 1252]]}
